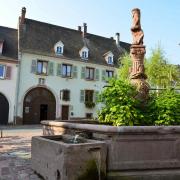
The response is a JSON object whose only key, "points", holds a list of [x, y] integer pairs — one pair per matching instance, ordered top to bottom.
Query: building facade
{"points": [[61, 71], [8, 73]]}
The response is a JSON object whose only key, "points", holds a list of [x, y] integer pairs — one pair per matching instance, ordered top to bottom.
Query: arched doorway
{"points": [[39, 104], [4, 110]]}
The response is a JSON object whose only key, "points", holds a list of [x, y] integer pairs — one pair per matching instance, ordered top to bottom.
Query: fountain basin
{"points": [[139, 152], [58, 157]]}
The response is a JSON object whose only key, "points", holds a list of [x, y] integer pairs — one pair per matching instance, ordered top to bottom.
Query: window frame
{"points": [[61, 50], [84, 54], [110, 60], [42, 62], [4, 71], [88, 73], [108, 73], [67, 75], [65, 95], [89, 95]]}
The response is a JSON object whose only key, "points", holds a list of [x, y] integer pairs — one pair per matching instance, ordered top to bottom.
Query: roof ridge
{"points": [[5, 27]]}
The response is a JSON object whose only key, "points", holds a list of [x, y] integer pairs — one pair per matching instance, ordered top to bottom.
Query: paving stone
{"points": [[15, 154]]}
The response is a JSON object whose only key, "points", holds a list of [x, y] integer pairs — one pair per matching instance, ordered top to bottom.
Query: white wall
{"points": [[55, 83], [8, 88]]}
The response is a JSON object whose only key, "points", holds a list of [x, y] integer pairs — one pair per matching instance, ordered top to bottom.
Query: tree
{"points": [[125, 65], [160, 73], [119, 105]]}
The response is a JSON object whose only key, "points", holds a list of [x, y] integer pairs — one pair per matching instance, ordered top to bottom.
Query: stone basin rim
{"points": [[114, 129]]}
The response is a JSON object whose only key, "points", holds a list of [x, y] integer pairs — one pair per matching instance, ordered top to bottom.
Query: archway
{"points": [[39, 104], [4, 110]]}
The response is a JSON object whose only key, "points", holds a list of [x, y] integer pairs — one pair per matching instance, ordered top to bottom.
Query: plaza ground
{"points": [[15, 152]]}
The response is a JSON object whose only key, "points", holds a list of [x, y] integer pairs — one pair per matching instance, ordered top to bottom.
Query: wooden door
{"points": [[39, 104], [65, 112]]}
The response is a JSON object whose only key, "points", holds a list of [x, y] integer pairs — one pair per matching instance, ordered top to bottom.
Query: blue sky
{"points": [[159, 19]]}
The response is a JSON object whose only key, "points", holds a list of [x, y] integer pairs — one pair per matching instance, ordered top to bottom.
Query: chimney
{"points": [[23, 14], [79, 28], [85, 30], [117, 39]]}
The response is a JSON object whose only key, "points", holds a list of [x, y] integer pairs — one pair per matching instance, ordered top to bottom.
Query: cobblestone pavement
{"points": [[15, 154]]}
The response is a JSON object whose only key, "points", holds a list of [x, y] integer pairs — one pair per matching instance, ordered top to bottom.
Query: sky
{"points": [[159, 19]]}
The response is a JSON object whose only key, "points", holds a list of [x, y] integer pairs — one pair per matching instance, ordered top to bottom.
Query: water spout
{"points": [[75, 140]]}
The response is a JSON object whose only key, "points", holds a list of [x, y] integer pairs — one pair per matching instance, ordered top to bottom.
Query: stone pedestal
{"points": [[138, 76]]}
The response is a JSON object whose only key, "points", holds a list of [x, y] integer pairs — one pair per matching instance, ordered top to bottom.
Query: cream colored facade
{"points": [[55, 84], [8, 87]]}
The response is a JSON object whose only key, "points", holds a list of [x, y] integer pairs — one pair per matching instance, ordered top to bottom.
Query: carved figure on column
{"points": [[136, 30]]}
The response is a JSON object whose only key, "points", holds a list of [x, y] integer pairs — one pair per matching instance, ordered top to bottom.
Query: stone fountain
{"points": [[137, 52]]}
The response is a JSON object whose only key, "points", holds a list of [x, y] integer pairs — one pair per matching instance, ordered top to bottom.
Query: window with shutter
{"points": [[42, 67], [66, 70], [89, 73], [109, 74], [66, 95], [89, 95]]}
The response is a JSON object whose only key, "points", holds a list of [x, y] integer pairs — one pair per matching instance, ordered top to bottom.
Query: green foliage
{"points": [[125, 64], [160, 73], [89, 104], [167, 105], [120, 108]]}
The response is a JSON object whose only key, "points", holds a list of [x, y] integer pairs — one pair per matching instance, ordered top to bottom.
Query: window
{"points": [[59, 50], [84, 53], [109, 57], [110, 60], [42, 67], [66, 70], [2, 71], [89, 73], [109, 74], [65, 94], [89, 95], [89, 115]]}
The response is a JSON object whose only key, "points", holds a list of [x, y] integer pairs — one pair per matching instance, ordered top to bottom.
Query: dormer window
{"points": [[59, 48], [84, 53], [109, 57]]}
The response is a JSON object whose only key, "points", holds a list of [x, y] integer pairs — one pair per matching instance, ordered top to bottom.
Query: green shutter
{"points": [[34, 66], [59, 67], [51, 68], [74, 71], [83, 73], [97, 74], [103, 75], [82, 95], [95, 96]]}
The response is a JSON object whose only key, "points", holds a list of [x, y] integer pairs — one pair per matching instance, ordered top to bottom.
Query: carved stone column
{"points": [[137, 52]]}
